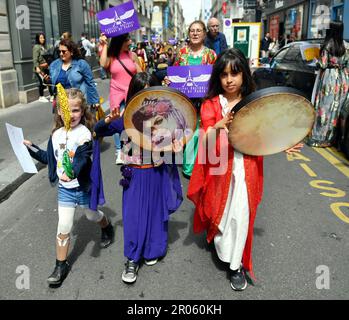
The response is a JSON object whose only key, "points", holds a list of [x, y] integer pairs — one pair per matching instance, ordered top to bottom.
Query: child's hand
{"points": [[166, 81], [113, 115], [224, 123], [27, 143], [295, 148], [65, 178]]}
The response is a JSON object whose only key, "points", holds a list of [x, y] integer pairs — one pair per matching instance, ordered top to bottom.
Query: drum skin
{"points": [[155, 116], [270, 120]]}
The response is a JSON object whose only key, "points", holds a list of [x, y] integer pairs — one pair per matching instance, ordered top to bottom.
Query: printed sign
{"points": [[118, 20], [310, 52], [190, 80], [16, 138]]}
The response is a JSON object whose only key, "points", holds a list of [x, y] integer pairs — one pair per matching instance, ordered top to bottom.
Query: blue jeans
{"points": [[116, 136], [72, 198]]}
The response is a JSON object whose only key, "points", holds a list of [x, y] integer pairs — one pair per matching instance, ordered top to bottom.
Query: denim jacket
{"points": [[79, 75]]}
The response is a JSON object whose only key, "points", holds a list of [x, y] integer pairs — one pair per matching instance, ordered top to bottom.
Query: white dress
{"points": [[233, 228]]}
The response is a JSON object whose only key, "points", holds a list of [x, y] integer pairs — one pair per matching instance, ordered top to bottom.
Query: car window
{"points": [[280, 55], [293, 55]]}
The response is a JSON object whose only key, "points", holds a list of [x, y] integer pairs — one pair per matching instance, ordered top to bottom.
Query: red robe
{"points": [[209, 192]]}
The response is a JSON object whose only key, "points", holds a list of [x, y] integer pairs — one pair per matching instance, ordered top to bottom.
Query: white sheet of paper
{"points": [[16, 138]]}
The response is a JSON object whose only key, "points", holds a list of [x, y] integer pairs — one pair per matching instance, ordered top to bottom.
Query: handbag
{"points": [[128, 71]]}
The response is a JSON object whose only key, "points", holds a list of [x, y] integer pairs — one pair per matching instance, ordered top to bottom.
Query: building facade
{"points": [[304, 19], [21, 20]]}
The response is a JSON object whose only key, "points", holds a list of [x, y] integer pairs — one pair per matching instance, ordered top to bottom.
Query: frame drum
{"points": [[157, 116], [270, 120]]}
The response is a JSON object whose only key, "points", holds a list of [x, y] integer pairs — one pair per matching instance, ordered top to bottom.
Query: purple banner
{"points": [[118, 20], [190, 80]]}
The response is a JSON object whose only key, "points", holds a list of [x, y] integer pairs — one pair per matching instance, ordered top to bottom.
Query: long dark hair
{"points": [[37, 38], [334, 39], [116, 43], [72, 47], [238, 63], [139, 81]]}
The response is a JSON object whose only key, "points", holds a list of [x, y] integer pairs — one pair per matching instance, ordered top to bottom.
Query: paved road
{"points": [[300, 230]]}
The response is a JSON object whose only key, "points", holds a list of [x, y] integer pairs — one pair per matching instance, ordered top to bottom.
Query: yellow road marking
{"points": [[338, 154], [339, 165], [308, 170], [338, 212]]}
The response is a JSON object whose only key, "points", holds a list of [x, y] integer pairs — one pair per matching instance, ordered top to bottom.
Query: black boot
{"points": [[107, 236], [59, 273]]}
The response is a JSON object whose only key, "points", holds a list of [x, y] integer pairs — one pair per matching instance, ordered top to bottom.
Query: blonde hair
{"points": [[87, 118]]}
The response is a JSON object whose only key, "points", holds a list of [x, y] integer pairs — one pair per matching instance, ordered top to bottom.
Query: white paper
{"points": [[16, 138]]}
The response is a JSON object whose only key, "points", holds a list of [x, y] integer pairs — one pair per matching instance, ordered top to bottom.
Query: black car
{"points": [[287, 68]]}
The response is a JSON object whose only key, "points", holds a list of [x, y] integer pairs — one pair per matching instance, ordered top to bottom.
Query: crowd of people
{"points": [[226, 204]]}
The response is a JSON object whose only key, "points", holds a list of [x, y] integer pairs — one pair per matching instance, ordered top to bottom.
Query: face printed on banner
{"points": [[159, 119]]}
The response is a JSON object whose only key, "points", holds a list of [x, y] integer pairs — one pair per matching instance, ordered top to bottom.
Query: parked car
{"points": [[287, 68]]}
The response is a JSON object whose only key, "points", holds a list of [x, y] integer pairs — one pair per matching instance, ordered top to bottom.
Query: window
{"points": [[90, 8], [51, 21], [294, 22], [293, 54]]}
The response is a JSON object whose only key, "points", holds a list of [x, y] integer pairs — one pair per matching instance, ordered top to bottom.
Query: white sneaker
{"points": [[52, 98], [43, 99], [118, 157], [150, 262], [130, 273]]}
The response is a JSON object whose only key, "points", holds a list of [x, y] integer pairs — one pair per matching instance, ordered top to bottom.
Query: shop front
{"points": [[287, 18]]}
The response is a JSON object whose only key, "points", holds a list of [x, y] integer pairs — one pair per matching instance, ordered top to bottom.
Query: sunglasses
{"points": [[63, 51]]}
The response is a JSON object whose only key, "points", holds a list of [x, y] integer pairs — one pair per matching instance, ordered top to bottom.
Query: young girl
{"points": [[68, 157], [152, 191], [226, 204]]}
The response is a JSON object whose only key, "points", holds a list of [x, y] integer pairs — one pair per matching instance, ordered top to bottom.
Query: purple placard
{"points": [[118, 20], [190, 80]]}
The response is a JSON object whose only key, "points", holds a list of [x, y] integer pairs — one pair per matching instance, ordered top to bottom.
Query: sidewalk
{"points": [[36, 120]]}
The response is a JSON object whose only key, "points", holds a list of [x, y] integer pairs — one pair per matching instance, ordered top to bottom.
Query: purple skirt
{"points": [[152, 195]]}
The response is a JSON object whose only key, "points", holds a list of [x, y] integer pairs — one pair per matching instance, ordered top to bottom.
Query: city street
{"points": [[301, 237]]}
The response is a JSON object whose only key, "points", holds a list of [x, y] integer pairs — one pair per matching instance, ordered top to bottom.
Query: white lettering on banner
{"points": [[279, 4]]}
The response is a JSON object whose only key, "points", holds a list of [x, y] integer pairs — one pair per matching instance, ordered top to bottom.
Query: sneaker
{"points": [[52, 98], [43, 99], [118, 160], [107, 236], [150, 262], [59, 273], [130, 273], [238, 280]]}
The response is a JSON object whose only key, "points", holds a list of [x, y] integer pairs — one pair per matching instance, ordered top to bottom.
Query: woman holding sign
{"points": [[193, 55], [122, 64]]}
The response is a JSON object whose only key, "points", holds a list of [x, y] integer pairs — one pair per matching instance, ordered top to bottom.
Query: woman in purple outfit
{"points": [[152, 191]]}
